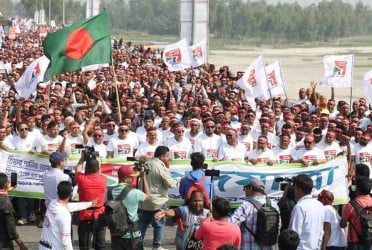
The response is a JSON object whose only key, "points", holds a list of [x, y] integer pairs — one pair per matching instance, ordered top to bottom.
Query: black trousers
{"points": [[91, 236], [118, 243]]}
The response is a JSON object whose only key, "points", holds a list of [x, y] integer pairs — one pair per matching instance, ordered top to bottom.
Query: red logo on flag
{"points": [[197, 52], [173, 56], [339, 68], [272, 78], [252, 79]]}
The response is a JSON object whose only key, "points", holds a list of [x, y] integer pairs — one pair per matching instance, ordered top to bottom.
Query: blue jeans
{"points": [[147, 217], [356, 246]]}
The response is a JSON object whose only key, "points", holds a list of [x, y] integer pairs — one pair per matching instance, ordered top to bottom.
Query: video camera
{"points": [[89, 152], [140, 166], [211, 172], [285, 182]]}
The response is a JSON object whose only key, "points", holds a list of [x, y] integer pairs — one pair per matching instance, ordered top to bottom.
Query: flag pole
{"points": [[351, 86], [116, 89]]}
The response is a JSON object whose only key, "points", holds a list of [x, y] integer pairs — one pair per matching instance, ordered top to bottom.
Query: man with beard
{"points": [[208, 143], [179, 147], [232, 150], [283, 152], [261, 154], [191, 216]]}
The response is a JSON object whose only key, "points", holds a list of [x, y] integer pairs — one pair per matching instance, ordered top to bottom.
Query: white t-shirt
{"points": [[247, 140], [72, 142], [47, 143], [25, 144], [208, 145], [122, 147], [100, 148], [145, 149], [179, 150], [330, 151], [231, 153], [308, 155], [363, 155], [261, 156], [282, 156], [56, 227], [338, 236]]}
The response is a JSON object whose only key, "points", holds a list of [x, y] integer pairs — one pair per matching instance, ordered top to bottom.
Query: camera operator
{"points": [[126, 175], [196, 175], [160, 180], [91, 184], [287, 201]]}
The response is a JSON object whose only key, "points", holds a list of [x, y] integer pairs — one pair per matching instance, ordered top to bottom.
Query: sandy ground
{"points": [[300, 66]]}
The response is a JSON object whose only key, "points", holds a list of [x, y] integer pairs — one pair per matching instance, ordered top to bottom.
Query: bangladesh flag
{"points": [[83, 43]]}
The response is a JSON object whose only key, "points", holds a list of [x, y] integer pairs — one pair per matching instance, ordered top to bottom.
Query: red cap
{"points": [[125, 171]]}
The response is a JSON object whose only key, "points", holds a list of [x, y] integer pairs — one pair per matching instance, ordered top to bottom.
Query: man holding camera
{"points": [[160, 180], [91, 184], [130, 240]]}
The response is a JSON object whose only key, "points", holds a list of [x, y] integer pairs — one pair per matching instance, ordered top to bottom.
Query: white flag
{"points": [[198, 54], [177, 56], [338, 71], [34, 74], [275, 79], [254, 81], [367, 85]]}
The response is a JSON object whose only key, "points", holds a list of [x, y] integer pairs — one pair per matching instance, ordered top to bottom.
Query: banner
{"points": [[198, 53], [177, 56], [338, 71], [275, 79], [367, 85], [233, 176]]}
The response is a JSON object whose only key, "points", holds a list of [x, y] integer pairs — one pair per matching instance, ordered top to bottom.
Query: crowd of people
{"points": [[138, 108]]}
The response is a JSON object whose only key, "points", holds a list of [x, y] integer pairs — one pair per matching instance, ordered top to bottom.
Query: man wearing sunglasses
{"points": [[208, 143], [122, 145], [179, 147], [309, 154]]}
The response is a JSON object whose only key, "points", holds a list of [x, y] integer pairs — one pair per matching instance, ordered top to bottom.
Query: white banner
{"points": [[198, 53], [177, 56], [338, 71], [275, 79], [367, 85], [233, 176]]}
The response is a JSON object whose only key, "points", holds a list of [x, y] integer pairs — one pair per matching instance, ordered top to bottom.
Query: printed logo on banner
{"points": [[173, 56], [339, 69]]}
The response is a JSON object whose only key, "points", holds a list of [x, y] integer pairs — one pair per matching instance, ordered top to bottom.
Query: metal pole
{"points": [[50, 11], [63, 12]]}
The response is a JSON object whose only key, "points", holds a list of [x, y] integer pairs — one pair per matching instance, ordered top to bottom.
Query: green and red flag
{"points": [[83, 43]]}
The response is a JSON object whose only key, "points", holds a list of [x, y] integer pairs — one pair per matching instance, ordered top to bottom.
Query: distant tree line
{"points": [[227, 18], [257, 20]]}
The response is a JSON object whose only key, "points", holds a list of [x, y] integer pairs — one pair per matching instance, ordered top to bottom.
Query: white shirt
{"points": [[247, 140], [72, 142], [47, 143], [21, 144], [208, 145], [122, 147], [145, 149], [179, 150], [330, 151], [231, 153], [308, 155], [363, 155], [261, 156], [282, 156], [50, 180], [307, 220], [56, 227], [338, 236]]}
